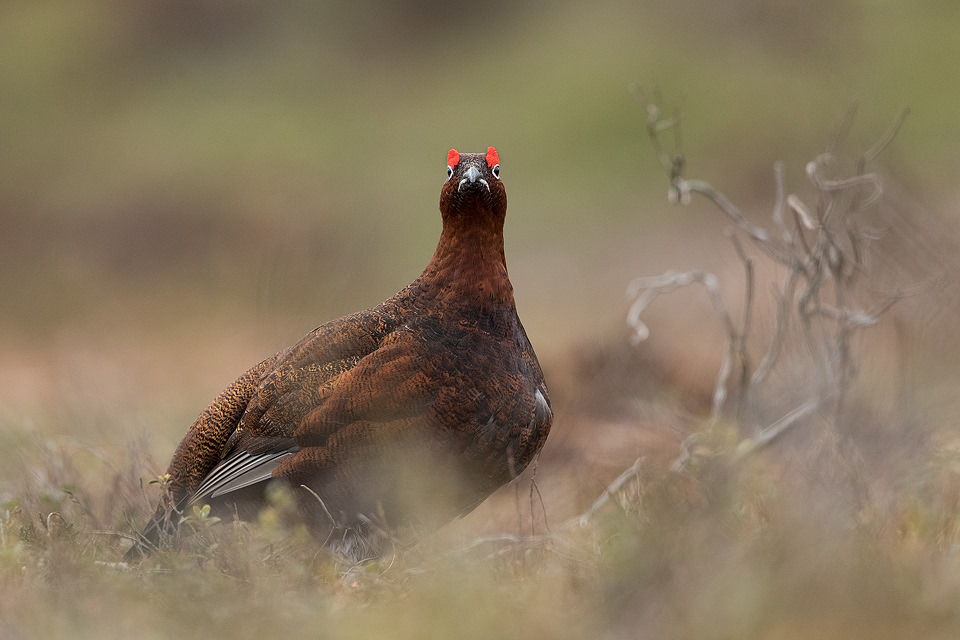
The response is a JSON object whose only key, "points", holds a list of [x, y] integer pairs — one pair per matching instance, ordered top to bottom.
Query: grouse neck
{"points": [[469, 262]]}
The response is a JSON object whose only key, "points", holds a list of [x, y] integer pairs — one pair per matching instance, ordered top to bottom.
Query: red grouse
{"points": [[401, 416]]}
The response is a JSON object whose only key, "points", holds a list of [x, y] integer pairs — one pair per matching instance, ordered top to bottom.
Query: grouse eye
{"points": [[496, 171], [449, 172]]}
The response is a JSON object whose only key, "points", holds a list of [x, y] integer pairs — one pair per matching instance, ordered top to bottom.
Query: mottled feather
{"points": [[405, 414]]}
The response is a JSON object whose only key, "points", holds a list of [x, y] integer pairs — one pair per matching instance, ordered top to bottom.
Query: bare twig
{"points": [[843, 130], [887, 137], [814, 172], [778, 205], [803, 213], [758, 234], [825, 254], [646, 289], [784, 304], [741, 338], [777, 429], [535, 487], [612, 489], [322, 503], [333, 521], [120, 534], [508, 538]]}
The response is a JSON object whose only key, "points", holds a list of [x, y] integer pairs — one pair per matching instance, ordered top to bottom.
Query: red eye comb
{"points": [[453, 158], [492, 158]]}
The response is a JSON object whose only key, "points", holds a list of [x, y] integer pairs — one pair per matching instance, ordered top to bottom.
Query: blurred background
{"points": [[188, 186]]}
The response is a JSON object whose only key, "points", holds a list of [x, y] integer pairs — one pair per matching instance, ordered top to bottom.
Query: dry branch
{"points": [[822, 295], [612, 489]]}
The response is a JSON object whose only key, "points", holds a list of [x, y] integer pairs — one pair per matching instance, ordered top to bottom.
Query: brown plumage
{"points": [[396, 418]]}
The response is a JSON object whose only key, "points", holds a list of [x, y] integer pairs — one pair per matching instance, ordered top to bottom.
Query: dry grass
{"points": [[843, 525], [774, 548]]}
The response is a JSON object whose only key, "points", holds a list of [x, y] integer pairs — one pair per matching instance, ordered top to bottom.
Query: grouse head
{"points": [[473, 188]]}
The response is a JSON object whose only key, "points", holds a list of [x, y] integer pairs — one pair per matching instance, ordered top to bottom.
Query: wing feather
{"points": [[241, 470]]}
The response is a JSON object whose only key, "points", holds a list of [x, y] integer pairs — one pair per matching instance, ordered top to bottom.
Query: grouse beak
{"points": [[472, 174]]}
